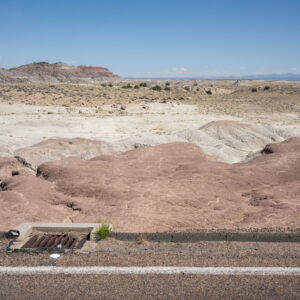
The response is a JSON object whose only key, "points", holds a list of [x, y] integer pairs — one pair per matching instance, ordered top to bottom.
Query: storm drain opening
{"points": [[53, 236], [55, 241]]}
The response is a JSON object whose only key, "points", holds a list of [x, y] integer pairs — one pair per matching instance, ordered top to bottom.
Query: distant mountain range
{"points": [[57, 72], [61, 72], [275, 76], [283, 76]]}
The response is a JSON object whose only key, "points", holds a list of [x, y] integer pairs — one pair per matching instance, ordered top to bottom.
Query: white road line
{"points": [[95, 270]]}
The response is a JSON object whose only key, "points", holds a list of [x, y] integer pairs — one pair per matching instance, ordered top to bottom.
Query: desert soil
{"points": [[194, 157]]}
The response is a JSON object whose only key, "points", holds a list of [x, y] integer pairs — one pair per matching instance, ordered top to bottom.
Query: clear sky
{"points": [[154, 38]]}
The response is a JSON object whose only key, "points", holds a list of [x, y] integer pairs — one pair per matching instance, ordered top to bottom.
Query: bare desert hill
{"points": [[57, 72], [175, 186]]}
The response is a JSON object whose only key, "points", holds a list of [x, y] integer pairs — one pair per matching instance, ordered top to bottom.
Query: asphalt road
{"points": [[156, 286], [149, 287]]}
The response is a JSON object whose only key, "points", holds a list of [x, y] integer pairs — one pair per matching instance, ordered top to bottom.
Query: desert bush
{"points": [[167, 83], [103, 84], [143, 84], [110, 85], [128, 86], [136, 86], [156, 88], [167, 88], [187, 88], [266, 88], [253, 90], [208, 92], [103, 231]]}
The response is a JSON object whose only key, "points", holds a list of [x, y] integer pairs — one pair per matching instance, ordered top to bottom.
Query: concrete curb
{"points": [[191, 237]]}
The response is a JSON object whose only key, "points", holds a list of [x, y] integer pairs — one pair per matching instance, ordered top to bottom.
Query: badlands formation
{"points": [[57, 72], [197, 154]]}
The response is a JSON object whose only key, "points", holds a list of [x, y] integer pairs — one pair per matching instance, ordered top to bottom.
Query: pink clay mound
{"points": [[173, 186]]}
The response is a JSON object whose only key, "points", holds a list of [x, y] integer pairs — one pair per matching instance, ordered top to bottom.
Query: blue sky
{"points": [[150, 38]]}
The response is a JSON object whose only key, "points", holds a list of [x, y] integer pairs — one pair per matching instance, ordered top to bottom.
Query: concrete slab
{"points": [[23, 230]]}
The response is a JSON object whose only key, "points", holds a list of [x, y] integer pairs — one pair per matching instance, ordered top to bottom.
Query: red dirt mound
{"points": [[58, 148], [9, 166], [168, 187], [27, 198]]}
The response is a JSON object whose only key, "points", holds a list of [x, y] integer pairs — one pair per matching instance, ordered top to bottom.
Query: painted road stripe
{"points": [[97, 270]]}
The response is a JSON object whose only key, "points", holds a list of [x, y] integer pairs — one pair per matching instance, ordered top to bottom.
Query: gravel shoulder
{"points": [[111, 252]]}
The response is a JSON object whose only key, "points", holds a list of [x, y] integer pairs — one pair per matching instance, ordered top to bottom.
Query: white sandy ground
{"points": [[24, 125], [96, 270]]}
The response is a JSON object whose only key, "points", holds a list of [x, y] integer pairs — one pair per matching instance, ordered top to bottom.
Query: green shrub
{"points": [[167, 83], [143, 84], [110, 85], [128, 86], [136, 86], [156, 88], [167, 88], [187, 88], [266, 88], [253, 90], [208, 92], [103, 231]]}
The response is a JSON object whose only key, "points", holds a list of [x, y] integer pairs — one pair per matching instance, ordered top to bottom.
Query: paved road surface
{"points": [[181, 285]]}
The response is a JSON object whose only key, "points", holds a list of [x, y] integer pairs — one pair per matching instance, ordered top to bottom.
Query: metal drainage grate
{"points": [[52, 241]]}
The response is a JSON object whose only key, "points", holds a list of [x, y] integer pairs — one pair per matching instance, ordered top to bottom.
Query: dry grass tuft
{"points": [[142, 241]]}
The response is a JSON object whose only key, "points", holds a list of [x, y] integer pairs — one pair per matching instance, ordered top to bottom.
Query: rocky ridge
{"points": [[55, 73]]}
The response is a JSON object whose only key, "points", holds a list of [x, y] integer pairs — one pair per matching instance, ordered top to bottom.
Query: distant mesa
{"points": [[55, 73]]}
